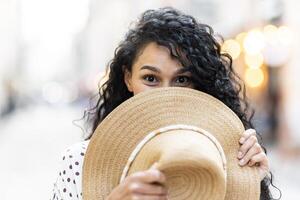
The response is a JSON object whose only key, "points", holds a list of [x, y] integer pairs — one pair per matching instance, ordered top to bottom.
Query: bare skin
{"points": [[155, 68], [146, 185]]}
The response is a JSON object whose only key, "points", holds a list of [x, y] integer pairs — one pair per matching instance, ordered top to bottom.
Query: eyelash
{"points": [[145, 77], [186, 78]]}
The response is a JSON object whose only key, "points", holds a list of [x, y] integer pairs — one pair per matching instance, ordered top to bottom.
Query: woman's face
{"points": [[154, 68]]}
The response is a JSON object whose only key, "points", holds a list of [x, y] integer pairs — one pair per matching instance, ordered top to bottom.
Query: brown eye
{"points": [[150, 78], [182, 80]]}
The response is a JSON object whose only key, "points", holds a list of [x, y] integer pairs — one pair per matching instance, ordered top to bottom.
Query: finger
{"points": [[248, 133], [246, 146], [255, 149], [260, 158], [154, 166], [149, 176], [148, 189], [148, 197]]}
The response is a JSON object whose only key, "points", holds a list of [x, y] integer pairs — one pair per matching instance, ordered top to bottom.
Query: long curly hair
{"points": [[193, 44]]}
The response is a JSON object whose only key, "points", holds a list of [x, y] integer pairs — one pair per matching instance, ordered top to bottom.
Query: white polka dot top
{"points": [[68, 184]]}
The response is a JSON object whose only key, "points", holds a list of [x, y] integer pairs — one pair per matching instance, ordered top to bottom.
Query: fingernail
{"points": [[242, 140], [240, 154], [241, 162], [154, 166]]}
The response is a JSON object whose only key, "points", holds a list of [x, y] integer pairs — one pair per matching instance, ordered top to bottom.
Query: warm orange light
{"points": [[241, 37], [232, 47], [254, 60], [254, 77]]}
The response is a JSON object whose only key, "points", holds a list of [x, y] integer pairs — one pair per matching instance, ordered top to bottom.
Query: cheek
{"points": [[138, 86]]}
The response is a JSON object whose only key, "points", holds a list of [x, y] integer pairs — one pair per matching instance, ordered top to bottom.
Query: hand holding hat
{"points": [[251, 153], [141, 185]]}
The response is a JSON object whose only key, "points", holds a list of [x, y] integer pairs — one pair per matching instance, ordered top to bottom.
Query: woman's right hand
{"points": [[143, 185]]}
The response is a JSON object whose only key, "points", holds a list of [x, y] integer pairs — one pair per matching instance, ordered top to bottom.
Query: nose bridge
{"points": [[167, 82]]}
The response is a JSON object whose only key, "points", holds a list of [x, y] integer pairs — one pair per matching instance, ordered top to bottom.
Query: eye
{"points": [[150, 78], [182, 80]]}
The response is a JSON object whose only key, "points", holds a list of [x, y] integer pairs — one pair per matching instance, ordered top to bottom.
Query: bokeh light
{"points": [[270, 33], [285, 35], [241, 37], [254, 42], [278, 45], [232, 47], [254, 60], [254, 77]]}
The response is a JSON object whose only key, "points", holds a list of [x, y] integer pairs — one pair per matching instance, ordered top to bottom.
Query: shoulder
{"points": [[75, 150], [74, 155], [72, 161], [69, 181]]}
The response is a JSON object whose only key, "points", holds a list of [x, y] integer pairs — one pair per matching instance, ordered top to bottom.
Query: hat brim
{"points": [[120, 132]]}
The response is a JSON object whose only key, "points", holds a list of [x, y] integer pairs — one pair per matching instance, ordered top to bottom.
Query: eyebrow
{"points": [[180, 71]]}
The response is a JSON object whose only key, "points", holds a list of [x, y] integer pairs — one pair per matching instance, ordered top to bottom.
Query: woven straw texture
{"points": [[123, 129]]}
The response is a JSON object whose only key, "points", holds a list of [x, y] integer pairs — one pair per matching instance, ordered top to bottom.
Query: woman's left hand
{"points": [[252, 154]]}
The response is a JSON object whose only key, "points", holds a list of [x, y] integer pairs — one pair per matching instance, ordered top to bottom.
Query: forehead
{"points": [[157, 56]]}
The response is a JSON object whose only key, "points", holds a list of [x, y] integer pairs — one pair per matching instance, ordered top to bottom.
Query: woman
{"points": [[166, 48]]}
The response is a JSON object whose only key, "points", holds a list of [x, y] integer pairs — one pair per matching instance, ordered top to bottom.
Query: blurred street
{"points": [[30, 150]]}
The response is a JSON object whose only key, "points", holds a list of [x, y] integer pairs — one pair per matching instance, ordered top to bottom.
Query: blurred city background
{"points": [[53, 53]]}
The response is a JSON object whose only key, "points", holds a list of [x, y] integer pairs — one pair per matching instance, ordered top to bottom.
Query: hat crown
{"points": [[180, 153]]}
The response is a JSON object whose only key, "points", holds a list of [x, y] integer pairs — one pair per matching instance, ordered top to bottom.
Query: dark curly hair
{"points": [[195, 46]]}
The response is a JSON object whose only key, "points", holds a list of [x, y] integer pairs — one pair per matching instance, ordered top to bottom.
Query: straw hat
{"points": [[193, 137]]}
